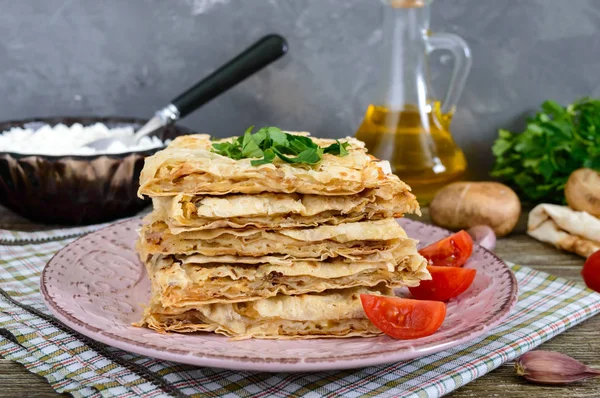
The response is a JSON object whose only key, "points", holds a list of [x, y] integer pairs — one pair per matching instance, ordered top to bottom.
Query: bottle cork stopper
{"points": [[407, 3]]}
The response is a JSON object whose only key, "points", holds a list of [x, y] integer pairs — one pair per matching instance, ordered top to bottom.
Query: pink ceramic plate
{"points": [[97, 286]]}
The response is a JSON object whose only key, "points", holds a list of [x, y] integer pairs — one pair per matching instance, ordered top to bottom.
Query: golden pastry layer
{"points": [[189, 166], [275, 210], [351, 240], [189, 281], [336, 313]]}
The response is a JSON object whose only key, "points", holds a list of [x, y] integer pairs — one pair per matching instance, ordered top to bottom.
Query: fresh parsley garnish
{"points": [[270, 142], [556, 142]]}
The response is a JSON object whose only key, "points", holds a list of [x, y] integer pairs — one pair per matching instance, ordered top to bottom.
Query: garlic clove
{"points": [[548, 367]]}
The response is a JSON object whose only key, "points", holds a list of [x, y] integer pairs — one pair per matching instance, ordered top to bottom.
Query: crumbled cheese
{"points": [[43, 139]]}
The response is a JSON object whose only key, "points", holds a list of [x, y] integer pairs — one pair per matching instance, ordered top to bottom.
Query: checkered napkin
{"points": [[75, 364]]}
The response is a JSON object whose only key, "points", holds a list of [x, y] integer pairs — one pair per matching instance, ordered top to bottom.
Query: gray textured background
{"points": [[129, 57]]}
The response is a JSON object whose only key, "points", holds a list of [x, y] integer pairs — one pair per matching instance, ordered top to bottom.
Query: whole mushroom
{"points": [[583, 191], [462, 205]]}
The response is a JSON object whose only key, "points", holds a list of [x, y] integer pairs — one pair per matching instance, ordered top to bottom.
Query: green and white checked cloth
{"points": [[73, 363]]}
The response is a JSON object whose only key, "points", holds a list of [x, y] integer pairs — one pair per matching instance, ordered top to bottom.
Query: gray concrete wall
{"points": [[128, 57]]}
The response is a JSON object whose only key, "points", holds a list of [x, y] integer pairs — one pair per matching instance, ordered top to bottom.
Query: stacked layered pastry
{"points": [[272, 251]]}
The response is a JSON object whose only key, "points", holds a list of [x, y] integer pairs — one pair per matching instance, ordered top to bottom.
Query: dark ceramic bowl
{"points": [[75, 190]]}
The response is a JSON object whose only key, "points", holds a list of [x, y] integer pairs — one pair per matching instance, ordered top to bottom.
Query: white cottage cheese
{"points": [[42, 139]]}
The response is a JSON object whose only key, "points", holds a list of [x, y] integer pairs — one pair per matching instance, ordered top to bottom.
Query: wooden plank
{"points": [[581, 342], [16, 381]]}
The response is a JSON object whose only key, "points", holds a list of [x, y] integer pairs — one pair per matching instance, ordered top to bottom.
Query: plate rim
{"points": [[350, 361]]}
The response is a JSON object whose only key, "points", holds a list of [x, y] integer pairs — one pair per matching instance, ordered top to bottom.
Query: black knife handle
{"points": [[253, 59]]}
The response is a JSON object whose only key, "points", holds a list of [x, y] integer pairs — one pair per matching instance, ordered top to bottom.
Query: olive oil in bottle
{"points": [[404, 123], [417, 144]]}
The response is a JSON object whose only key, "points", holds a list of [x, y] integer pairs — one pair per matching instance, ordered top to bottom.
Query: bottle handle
{"points": [[462, 65]]}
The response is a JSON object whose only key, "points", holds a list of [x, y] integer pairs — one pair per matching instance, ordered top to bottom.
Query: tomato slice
{"points": [[453, 251], [591, 271], [446, 283], [402, 318]]}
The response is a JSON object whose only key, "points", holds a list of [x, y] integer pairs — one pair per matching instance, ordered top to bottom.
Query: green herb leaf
{"points": [[553, 108], [277, 136], [261, 137], [270, 142], [556, 142], [298, 143], [250, 148], [339, 148], [228, 149], [285, 150], [269, 156], [309, 156]]}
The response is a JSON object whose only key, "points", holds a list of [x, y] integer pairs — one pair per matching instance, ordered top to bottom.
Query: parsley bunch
{"points": [[269, 142], [556, 142]]}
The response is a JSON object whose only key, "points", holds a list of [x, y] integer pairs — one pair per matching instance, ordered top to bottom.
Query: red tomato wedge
{"points": [[453, 251], [591, 271], [446, 283], [404, 318]]}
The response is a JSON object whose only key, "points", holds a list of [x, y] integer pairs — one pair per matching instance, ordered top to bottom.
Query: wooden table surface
{"points": [[581, 342]]}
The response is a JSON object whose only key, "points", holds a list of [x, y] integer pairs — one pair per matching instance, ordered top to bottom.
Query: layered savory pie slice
{"points": [[189, 166], [275, 210], [272, 235], [350, 240], [227, 265], [188, 281], [336, 313]]}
